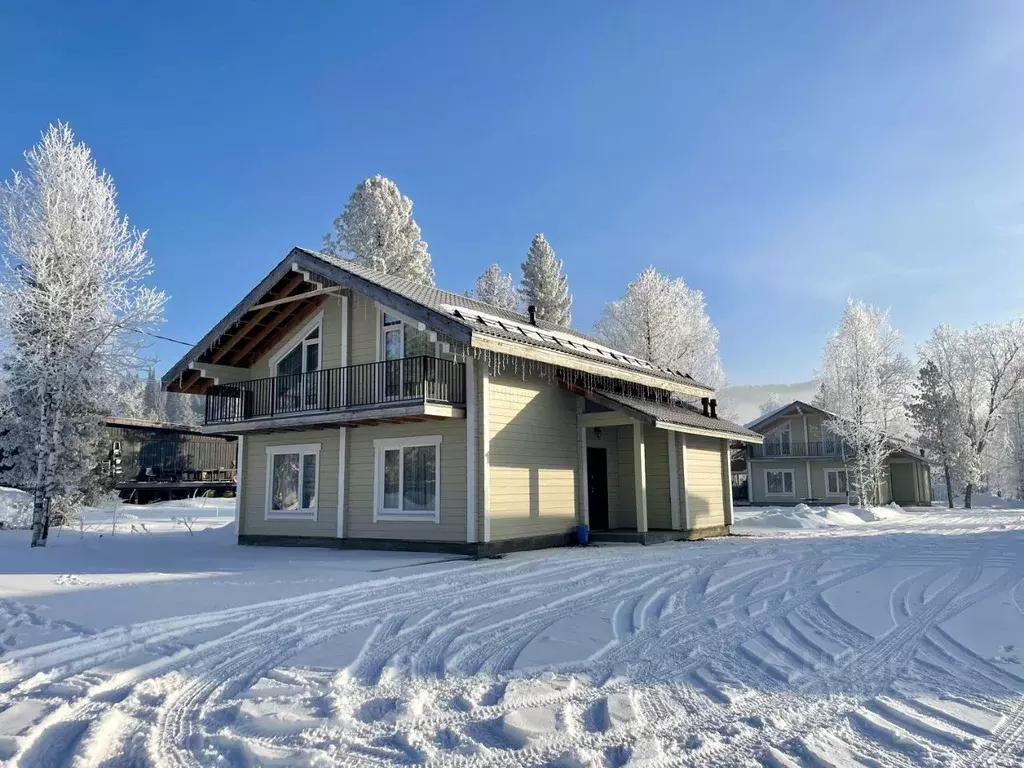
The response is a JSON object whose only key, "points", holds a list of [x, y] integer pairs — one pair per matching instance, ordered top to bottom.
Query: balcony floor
{"points": [[380, 414]]}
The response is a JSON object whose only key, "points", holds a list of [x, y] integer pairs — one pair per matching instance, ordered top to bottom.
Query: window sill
{"points": [[304, 514], [407, 517]]}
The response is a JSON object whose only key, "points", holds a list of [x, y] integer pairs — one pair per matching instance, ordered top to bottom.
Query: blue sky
{"points": [[778, 156]]}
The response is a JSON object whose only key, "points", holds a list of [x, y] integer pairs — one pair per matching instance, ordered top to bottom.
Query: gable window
{"points": [[296, 387], [779, 443], [407, 479], [293, 482], [779, 482], [837, 482]]}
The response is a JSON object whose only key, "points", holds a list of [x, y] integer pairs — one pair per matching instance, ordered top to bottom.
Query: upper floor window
{"points": [[399, 339], [779, 442]]}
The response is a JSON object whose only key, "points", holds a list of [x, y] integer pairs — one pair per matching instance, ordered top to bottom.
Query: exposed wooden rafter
{"points": [[281, 329], [237, 336]]}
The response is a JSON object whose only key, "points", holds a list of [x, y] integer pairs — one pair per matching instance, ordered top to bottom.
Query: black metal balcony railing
{"points": [[392, 382], [779, 450]]}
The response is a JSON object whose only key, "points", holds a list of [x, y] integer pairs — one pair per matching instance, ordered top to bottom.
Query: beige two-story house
{"points": [[372, 411], [801, 460]]}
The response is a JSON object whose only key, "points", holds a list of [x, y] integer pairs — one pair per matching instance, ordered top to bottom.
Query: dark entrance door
{"points": [[597, 488]]}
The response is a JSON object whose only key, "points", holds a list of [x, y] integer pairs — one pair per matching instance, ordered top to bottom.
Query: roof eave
{"points": [[554, 357]]}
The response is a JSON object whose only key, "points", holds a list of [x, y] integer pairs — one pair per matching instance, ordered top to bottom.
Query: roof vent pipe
{"points": [[532, 311], [705, 403], [714, 407]]}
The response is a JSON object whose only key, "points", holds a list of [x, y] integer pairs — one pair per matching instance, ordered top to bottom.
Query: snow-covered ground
{"points": [[816, 638]]}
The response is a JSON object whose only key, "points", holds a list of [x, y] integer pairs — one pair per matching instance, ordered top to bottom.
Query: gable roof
{"points": [[463, 318], [795, 408], [678, 413]]}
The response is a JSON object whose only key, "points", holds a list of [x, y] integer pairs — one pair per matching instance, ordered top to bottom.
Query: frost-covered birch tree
{"points": [[377, 230], [544, 286], [497, 288], [72, 303], [664, 320], [982, 371], [865, 381]]}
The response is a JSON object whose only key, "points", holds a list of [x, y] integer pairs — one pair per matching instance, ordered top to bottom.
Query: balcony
{"points": [[406, 387], [827, 449]]}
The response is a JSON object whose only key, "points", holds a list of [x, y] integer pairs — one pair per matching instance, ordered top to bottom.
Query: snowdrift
{"points": [[806, 517]]}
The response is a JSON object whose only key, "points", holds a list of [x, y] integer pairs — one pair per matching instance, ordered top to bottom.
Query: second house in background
{"points": [[373, 411], [801, 461]]}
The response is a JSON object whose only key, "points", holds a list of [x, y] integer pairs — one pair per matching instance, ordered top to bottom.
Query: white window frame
{"points": [[406, 322], [300, 339], [775, 437], [399, 443], [302, 451], [789, 472], [837, 494]]}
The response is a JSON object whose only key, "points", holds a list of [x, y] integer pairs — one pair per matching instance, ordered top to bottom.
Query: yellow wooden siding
{"points": [[609, 440], [533, 458], [254, 479], [359, 479], [706, 488], [659, 502], [625, 516]]}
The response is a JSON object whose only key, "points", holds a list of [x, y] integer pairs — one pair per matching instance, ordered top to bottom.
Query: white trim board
{"points": [[288, 345], [342, 451], [471, 456]]}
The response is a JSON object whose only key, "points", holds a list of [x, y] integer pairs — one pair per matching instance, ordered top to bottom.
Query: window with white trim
{"points": [[779, 442], [407, 479], [293, 481], [779, 482], [837, 482]]}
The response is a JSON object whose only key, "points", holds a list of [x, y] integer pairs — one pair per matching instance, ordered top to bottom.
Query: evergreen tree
{"points": [[377, 230], [544, 286], [497, 288], [154, 400], [933, 412]]}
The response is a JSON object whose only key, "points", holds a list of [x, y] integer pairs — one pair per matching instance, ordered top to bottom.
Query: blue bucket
{"points": [[582, 535]]}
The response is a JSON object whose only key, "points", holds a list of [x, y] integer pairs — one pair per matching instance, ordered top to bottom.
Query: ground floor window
{"points": [[407, 479], [293, 481], [779, 481], [836, 482]]}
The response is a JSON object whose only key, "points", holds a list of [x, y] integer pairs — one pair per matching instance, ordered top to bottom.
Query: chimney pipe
{"points": [[532, 311], [705, 403], [714, 406]]}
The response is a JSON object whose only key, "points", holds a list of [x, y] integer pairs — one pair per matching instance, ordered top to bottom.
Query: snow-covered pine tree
{"points": [[377, 230], [544, 286], [497, 288], [72, 302], [665, 321], [982, 371], [865, 381], [154, 400], [180, 409], [933, 412]]}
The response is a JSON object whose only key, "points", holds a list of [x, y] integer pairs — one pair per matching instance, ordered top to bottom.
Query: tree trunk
{"points": [[949, 483], [967, 495], [38, 507], [46, 521]]}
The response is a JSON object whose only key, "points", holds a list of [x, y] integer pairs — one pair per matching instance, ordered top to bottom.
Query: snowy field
{"points": [[815, 638]]}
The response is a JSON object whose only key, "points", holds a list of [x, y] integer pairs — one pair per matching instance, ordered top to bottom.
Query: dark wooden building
{"points": [[154, 461]]}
